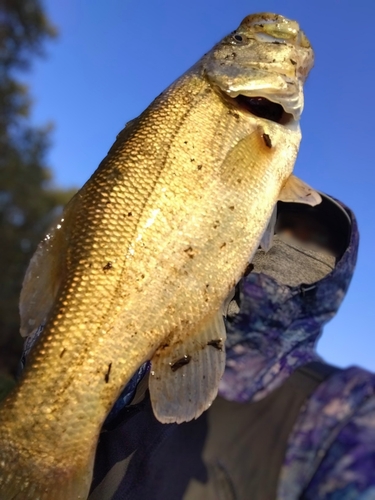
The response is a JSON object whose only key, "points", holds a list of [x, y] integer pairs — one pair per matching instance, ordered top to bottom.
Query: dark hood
{"points": [[278, 326]]}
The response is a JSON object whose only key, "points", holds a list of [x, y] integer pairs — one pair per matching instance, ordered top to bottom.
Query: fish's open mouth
{"points": [[263, 108]]}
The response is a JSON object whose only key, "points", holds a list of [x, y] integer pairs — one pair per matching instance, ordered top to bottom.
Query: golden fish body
{"points": [[146, 253]]}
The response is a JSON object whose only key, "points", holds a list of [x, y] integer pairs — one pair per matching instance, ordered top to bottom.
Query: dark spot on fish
{"points": [[238, 38], [273, 60], [293, 62], [233, 113], [267, 140], [185, 142], [192, 159], [199, 167], [239, 181], [231, 207], [130, 214], [223, 245], [190, 252], [90, 264], [108, 266], [248, 269], [207, 285], [216, 343], [62, 352], [180, 363], [106, 376]]}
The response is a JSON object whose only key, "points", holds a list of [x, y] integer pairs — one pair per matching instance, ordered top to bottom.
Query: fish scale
{"points": [[142, 260]]}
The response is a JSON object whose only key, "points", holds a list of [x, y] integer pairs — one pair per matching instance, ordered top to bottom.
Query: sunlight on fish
{"points": [[146, 253]]}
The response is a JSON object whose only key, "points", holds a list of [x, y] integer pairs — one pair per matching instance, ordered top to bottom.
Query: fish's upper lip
{"points": [[275, 27], [248, 78]]}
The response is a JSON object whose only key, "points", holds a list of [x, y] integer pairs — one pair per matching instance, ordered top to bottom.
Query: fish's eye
{"points": [[237, 38]]}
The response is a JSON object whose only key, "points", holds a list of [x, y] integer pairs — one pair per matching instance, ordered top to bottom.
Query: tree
{"points": [[28, 203]]}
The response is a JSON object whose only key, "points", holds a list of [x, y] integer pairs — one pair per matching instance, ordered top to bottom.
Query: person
{"points": [[285, 425]]}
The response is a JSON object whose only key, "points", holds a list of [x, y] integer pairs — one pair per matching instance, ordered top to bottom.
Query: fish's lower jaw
{"points": [[292, 105], [271, 106], [32, 478]]}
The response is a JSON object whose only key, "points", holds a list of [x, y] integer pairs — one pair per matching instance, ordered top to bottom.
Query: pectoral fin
{"points": [[297, 191], [185, 374]]}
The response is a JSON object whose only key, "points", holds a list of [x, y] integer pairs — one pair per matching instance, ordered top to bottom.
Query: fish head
{"points": [[268, 58]]}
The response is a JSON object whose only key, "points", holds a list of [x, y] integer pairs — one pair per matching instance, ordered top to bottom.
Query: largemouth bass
{"points": [[146, 252]]}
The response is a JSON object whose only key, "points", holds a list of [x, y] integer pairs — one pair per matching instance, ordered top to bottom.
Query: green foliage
{"points": [[23, 28], [28, 203]]}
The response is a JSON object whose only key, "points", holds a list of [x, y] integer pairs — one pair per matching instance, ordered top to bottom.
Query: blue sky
{"points": [[113, 57]]}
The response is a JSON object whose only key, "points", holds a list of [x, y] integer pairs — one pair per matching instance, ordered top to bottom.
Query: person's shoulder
{"points": [[331, 450]]}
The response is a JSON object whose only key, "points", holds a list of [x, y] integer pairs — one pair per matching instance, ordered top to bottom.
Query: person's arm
{"points": [[348, 469]]}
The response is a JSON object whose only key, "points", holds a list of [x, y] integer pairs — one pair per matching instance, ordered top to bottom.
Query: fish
{"points": [[140, 264]]}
